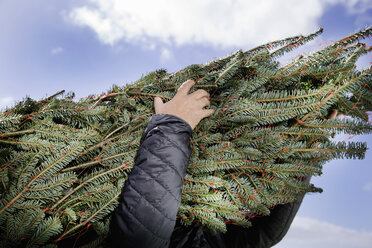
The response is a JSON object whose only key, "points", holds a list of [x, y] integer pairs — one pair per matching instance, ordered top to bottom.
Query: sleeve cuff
{"points": [[159, 119]]}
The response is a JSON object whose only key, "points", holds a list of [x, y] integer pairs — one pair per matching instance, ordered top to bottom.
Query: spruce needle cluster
{"points": [[64, 163]]}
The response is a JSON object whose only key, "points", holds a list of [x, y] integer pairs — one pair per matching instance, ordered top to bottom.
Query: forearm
{"points": [[150, 199]]}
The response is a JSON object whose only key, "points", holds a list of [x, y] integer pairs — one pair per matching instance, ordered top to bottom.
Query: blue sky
{"points": [[86, 46]]}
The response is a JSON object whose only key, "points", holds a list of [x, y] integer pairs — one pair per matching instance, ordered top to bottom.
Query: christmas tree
{"points": [[64, 163]]}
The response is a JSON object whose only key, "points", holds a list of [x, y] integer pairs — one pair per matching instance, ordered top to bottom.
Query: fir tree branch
{"points": [[52, 96], [103, 97], [97, 161], [124, 166], [28, 186], [90, 217]]}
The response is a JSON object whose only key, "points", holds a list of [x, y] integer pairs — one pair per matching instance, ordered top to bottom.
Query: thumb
{"points": [[158, 103]]}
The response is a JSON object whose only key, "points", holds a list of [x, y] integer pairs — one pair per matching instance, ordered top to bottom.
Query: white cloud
{"points": [[353, 6], [225, 23], [149, 46], [56, 50], [165, 55], [6, 102], [368, 186], [309, 233]]}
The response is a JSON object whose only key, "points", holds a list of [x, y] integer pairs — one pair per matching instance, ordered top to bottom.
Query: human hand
{"points": [[189, 107], [334, 114]]}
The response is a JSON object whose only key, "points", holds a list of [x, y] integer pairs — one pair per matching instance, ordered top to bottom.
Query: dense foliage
{"points": [[64, 163]]}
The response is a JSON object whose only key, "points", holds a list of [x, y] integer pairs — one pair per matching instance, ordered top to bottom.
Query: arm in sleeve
{"points": [[150, 199], [265, 231]]}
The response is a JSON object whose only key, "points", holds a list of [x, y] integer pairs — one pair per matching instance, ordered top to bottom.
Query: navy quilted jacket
{"points": [[146, 215]]}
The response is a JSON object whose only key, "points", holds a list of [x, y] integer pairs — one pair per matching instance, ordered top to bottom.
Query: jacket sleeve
{"points": [[150, 199], [265, 231]]}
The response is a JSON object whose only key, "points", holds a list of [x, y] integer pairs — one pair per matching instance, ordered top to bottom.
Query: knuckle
{"points": [[202, 92]]}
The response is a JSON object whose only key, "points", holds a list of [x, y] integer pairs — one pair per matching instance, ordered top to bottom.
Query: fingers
{"points": [[185, 87], [200, 93], [204, 102], [158, 104], [207, 112], [333, 115]]}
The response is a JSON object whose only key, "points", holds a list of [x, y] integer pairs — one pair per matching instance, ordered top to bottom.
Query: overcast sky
{"points": [[86, 46]]}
